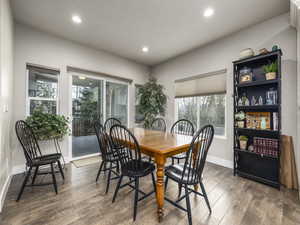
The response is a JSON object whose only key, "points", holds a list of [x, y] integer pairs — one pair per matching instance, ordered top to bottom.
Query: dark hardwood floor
{"points": [[81, 201]]}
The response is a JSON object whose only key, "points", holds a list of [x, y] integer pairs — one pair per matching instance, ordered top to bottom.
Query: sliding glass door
{"points": [[94, 99], [117, 101], [87, 107]]}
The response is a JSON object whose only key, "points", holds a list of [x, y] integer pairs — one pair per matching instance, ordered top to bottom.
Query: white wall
{"points": [[32, 46], [219, 55], [6, 93]]}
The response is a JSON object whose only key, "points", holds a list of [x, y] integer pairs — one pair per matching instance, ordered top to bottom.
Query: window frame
{"points": [[28, 99], [224, 136]]}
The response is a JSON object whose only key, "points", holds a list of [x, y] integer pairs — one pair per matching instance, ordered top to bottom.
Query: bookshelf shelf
{"points": [[253, 165]]}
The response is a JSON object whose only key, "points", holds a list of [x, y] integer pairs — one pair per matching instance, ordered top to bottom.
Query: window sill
{"points": [[222, 137]]}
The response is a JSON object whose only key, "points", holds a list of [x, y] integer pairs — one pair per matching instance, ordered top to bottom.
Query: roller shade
{"points": [[204, 84]]}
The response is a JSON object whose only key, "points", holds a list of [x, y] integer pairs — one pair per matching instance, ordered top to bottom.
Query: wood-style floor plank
{"points": [[234, 201]]}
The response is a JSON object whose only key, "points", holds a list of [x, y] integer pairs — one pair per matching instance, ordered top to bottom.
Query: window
{"points": [[42, 90], [203, 110]]}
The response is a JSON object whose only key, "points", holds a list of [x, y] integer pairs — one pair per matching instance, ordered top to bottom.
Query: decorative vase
{"points": [[271, 76], [243, 144]]}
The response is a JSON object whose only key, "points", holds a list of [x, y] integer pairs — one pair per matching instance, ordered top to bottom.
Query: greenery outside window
{"points": [[42, 90], [203, 110]]}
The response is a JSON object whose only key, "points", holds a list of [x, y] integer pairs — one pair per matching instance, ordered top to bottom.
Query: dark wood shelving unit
{"points": [[253, 165]]}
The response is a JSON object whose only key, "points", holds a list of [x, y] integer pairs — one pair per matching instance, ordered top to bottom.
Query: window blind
{"points": [[204, 84]]}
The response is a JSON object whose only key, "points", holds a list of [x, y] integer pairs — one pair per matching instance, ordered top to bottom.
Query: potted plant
{"points": [[271, 70], [152, 101], [240, 119], [48, 126], [243, 142]]}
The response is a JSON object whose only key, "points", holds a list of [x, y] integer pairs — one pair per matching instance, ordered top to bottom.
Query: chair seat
{"points": [[180, 156], [45, 159], [137, 168], [175, 173]]}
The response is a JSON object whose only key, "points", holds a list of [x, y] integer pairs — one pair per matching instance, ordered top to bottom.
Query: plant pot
{"points": [[271, 76], [240, 124], [243, 144]]}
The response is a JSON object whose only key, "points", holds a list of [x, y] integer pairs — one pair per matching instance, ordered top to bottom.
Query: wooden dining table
{"points": [[160, 146]]}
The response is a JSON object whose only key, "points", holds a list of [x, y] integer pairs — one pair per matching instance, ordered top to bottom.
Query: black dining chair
{"points": [[110, 122], [159, 124], [184, 127], [107, 154], [35, 158], [132, 165], [190, 173]]}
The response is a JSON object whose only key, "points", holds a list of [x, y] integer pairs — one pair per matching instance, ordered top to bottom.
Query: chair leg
{"points": [[172, 161], [178, 161], [118, 167], [105, 168], [61, 170], [99, 171], [34, 176], [53, 178], [108, 178], [153, 182], [24, 183], [166, 183], [117, 188], [179, 189], [205, 196], [136, 197], [188, 204]]}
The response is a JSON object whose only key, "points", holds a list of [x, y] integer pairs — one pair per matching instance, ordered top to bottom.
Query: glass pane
{"points": [[42, 83], [117, 101], [43, 105], [87, 107], [187, 109], [212, 111]]}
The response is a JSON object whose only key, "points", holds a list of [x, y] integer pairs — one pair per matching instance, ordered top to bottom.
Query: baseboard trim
{"points": [[219, 161], [4, 191]]}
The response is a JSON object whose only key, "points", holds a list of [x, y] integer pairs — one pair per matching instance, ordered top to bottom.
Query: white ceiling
{"points": [[168, 27]]}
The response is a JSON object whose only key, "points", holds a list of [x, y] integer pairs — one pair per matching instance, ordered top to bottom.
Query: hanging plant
{"points": [[152, 101], [48, 126]]}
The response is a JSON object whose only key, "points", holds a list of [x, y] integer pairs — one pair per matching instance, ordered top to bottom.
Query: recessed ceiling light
{"points": [[208, 12], [76, 19], [145, 49]]}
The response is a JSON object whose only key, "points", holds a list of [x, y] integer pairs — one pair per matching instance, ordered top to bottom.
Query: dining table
{"points": [[160, 146]]}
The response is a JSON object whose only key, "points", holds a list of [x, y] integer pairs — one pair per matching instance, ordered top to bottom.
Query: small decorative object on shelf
{"points": [[275, 48], [263, 51], [246, 53], [271, 70], [246, 75], [271, 97], [245, 100], [253, 101], [260, 101], [240, 119], [275, 121], [263, 123], [257, 130], [243, 142], [250, 148]]}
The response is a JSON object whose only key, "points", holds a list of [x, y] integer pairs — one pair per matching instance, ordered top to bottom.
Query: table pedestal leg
{"points": [[160, 192]]}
